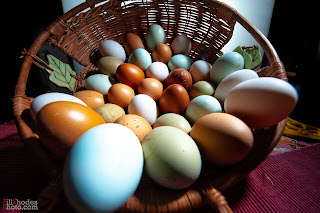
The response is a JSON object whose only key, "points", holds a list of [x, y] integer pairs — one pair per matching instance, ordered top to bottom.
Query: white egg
{"points": [[181, 45], [112, 48], [157, 70], [200, 71], [232, 80], [98, 82], [44, 99], [261, 102], [144, 106], [103, 168]]}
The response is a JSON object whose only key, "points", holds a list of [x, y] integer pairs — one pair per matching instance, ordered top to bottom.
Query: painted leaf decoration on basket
{"points": [[251, 55], [61, 76]]}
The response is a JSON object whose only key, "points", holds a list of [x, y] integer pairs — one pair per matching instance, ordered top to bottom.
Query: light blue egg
{"points": [[155, 35], [141, 58], [179, 61], [225, 65], [99, 82], [200, 106], [103, 169]]}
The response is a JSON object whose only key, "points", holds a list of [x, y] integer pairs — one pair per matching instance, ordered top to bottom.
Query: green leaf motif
{"points": [[251, 55], [61, 76]]}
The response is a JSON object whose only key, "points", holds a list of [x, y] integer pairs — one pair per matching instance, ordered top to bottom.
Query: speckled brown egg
{"points": [[131, 42], [162, 53], [130, 75], [179, 76], [151, 87], [120, 94], [93, 99], [174, 99], [136, 123]]}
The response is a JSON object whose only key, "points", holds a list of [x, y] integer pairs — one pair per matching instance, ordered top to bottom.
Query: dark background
{"points": [[293, 33]]}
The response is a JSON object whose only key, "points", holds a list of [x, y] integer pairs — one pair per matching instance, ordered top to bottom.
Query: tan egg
{"points": [[132, 42], [162, 53], [108, 65], [151, 87], [120, 94], [93, 99], [110, 112], [136, 123], [223, 139]]}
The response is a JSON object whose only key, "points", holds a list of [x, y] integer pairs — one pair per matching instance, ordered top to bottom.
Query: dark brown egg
{"points": [[132, 42], [161, 52], [130, 75], [179, 76], [174, 99]]}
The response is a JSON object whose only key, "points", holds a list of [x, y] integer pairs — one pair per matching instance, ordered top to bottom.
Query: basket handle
{"points": [[217, 201]]}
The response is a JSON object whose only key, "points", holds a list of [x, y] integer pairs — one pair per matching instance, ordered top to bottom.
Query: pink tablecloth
{"points": [[286, 182]]}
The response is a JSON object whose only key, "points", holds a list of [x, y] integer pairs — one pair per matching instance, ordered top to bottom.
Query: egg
{"points": [[155, 35], [132, 42], [181, 45], [112, 48], [162, 53], [141, 58], [179, 61], [108, 65], [225, 65], [157, 70], [200, 71], [130, 75], [179, 76], [232, 80], [98, 82], [151, 87], [201, 88], [120, 94], [44, 99], [93, 99], [174, 99], [261, 102], [144, 106], [200, 106], [110, 112], [173, 119], [136, 123], [60, 124], [223, 139], [172, 159], [103, 169]]}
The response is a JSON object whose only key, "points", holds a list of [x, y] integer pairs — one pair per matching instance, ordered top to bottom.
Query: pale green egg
{"points": [[155, 35]]}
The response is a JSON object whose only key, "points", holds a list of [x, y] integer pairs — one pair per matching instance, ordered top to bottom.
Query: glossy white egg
{"points": [[112, 48], [157, 70], [200, 71], [232, 80], [98, 82], [44, 99], [261, 102], [144, 106], [103, 169]]}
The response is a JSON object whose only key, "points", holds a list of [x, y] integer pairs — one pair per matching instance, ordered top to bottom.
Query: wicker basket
{"points": [[210, 24]]}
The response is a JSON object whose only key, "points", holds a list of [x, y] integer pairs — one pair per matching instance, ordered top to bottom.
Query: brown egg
{"points": [[131, 42], [161, 52], [108, 65], [130, 75], [179, 76], [151, 87], [120, 94], [93, 99], [174, 99], [136, 123], [60, 124], [223, 139]]}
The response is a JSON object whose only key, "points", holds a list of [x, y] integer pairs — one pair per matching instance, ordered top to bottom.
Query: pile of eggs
{"points": [[137, 116]]}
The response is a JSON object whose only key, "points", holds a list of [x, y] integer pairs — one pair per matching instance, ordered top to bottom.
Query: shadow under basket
{"points": [[210, 26]]}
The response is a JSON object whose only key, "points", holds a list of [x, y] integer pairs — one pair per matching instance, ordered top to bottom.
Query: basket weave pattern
{"points": [[210, 26]]}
